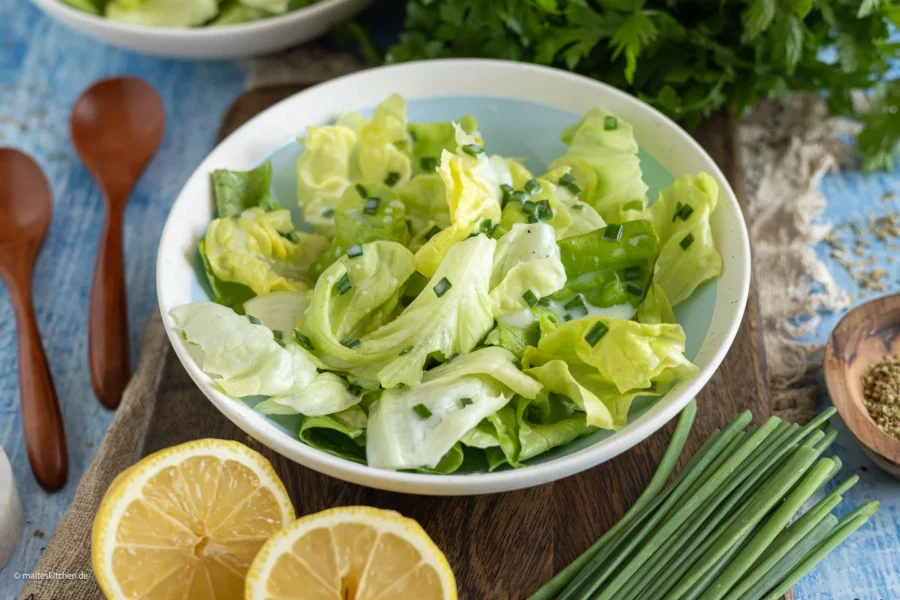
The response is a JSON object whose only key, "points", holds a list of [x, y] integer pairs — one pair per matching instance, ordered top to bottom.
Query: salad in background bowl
{"points": [[204, 29], [441, 313]]}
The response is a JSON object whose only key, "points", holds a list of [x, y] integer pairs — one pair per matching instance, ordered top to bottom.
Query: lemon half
{"points": [[186, 522], [351, 553]]}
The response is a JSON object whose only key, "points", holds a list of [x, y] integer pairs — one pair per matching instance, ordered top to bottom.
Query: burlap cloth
{"points": [[787, 146]]}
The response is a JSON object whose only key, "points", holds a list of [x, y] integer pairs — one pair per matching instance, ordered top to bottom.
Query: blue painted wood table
{"points": [[43, 68]]}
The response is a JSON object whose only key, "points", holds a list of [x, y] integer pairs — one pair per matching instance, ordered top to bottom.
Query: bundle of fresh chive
{"points": [[723, 529]]}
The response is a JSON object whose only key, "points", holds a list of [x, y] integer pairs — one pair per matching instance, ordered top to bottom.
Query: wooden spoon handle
{"points": [[108, 351], [45, 437]]}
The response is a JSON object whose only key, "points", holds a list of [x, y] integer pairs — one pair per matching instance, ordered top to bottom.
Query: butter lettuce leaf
{"points": [[162, 13], [381, 143], [603, 157], [325, 170], [236, 191], [256, 250], [688, 254], [527, 259], [227, 293], [656, 307], [279, 311], [242, 358], [628, 360], [327, 393], [342, 434]]}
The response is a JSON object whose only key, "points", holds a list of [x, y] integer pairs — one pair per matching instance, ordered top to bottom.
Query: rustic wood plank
{"points": [[503, 545]]}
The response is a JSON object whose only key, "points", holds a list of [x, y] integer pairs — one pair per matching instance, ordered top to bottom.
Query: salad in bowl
{"points": [[439, 306]]}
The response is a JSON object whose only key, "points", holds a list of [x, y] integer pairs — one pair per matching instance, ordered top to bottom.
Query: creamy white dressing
{"points": [[617, 311], [519, 318]]}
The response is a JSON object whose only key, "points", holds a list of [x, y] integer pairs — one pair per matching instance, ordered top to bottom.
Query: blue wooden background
{"points": [[43, 68]]}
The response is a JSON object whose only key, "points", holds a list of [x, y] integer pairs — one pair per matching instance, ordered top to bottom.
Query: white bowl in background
{"points": [[232, 41], [498, 91]]}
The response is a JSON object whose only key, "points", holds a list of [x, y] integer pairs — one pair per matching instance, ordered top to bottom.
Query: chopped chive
{"points": [[610, 123], [413, 136], [473, 150], [428, 163], [392, 178], [566, 179], [532, 186], [506, 188], [574, 188], [361, 190], [507, 194], [519, 196], [371, 206], [529, 207], [579, 207], [678, 207], [544, 212], [685, 212], [328, 213], [533, 219], [409, 225], [486, 226], [432, 232], [613, 232], [474, 234], [291, 236], [686, 241], [354, 251], [632, 273], [343, 284], [442, 286], [634, 289], [530, 298], [544, 302], [576, 307], [254, 320], [596, 332], [278, 337], [303, 340], [348, 343], [406, 350], [453, 357], [517, 363], [354, 390], [466, 401], [422, 411]]}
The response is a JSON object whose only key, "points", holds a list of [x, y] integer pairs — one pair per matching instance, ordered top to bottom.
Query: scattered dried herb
{"points": [[881, 393]]}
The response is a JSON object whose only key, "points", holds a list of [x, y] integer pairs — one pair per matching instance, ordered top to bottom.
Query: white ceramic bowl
{"points": [[234, 41], [499, 91]]}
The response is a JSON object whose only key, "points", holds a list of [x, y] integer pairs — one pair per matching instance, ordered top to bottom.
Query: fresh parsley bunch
{"points": [[687, 57]]}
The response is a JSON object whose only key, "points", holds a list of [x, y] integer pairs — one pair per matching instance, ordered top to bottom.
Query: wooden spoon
{"points": [[117, 125], [26, 204], [864, 336]]}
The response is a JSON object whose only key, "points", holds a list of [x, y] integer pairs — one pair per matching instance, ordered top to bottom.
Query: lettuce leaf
{"points": [[162, 13], [235, 13], [429, 140], [381, 143], [603, 156], [324, 172], [237, 191], [426, 203], [256, 250], [688, 254], [527, 259], [607, 272], [375, 279], [227, 293], [655, 308], [279, 311], [242, 358], [629, 360], [326, 394], [454, 398], [342, 434]]}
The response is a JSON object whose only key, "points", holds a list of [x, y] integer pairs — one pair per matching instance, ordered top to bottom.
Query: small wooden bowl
{"points": [[864, 336]]}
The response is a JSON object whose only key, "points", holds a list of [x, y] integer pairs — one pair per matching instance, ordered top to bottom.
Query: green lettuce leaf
{"points": [[271, 6], [95, 7], [162, 13], [235, 13], [429, 140], [381, 143], [603, 156], [324, 171], [236, 191], [426, 204], [256, 249], [688, 254], [608, 272], [375, 279], [227, 293], [655, 308], [279, 311], [513, 338], [242, 358], [628, 360], [326, 394], [415, 427], [342, 434]]}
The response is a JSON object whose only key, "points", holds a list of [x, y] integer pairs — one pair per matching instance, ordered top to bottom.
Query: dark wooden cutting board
{"points": [[506, 545]]}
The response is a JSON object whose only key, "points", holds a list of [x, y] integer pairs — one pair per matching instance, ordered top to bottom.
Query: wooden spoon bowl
{"points": [[865, 336]]}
